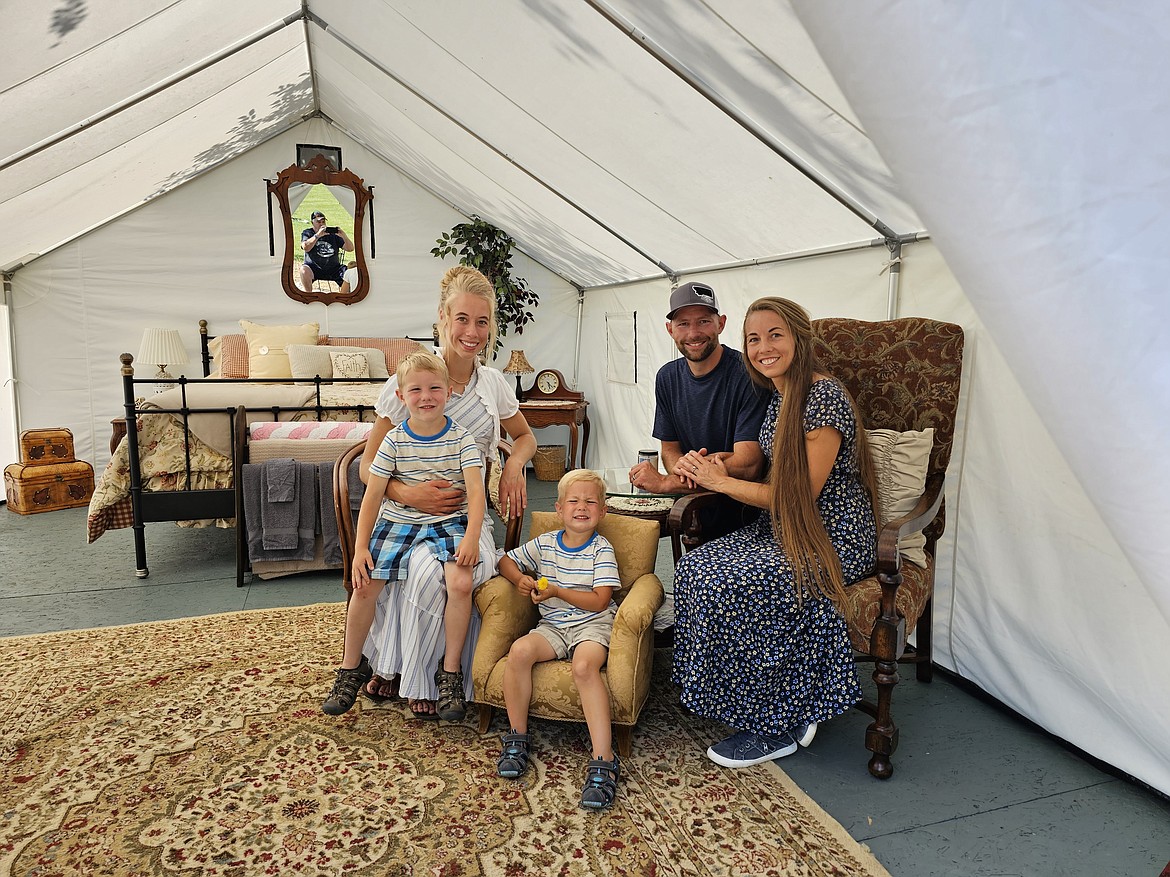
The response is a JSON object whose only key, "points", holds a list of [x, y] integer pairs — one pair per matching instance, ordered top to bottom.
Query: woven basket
{"points": [[549, 462]]}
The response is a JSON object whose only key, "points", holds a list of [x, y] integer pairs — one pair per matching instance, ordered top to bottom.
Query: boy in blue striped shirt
{"points": [[427, 445], [571, 574]]}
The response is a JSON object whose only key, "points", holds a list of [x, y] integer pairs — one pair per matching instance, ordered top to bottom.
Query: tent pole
{"points": [[895, 247], [770, 260], [577, 343]]}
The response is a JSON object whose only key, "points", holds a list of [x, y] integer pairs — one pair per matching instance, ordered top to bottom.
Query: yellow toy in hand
{"points": [[542, 584]]}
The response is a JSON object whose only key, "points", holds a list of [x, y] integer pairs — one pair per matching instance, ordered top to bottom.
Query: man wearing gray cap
{"points": [[704, 403]]}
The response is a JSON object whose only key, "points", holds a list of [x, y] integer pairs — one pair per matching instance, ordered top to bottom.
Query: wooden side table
{"points": [[561, 412], [623, 499]]}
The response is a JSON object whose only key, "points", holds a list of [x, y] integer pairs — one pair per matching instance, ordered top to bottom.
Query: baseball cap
{"points": [[317, 214], [692, 294]]}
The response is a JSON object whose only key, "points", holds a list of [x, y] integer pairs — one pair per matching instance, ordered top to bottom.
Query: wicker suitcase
{"points": [[43, 446], [45, 487]]}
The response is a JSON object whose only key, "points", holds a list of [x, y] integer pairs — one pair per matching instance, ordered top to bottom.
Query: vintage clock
{"points": [[550, 386]]}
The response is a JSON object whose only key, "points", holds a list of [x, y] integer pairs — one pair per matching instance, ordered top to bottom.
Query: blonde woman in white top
{"points": [[408, 647]]}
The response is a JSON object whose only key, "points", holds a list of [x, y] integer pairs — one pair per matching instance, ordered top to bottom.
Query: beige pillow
{"points": [[266, 344], [308, 360], [349, 365], [901, 460]]}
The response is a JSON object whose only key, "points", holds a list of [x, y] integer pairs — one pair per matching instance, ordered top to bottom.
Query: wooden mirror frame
{"points": [[318, 170]]}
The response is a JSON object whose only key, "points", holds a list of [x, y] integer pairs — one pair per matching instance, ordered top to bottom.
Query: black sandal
{"points": [[345, 688], [381, 698], [450, 707], [514, 759], [601, 779]]}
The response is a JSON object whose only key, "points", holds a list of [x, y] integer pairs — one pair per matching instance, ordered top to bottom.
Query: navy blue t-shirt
{"points": [[713, 411]]}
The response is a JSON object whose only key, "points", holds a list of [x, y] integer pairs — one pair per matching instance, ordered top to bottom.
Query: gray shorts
{"points": [[564, 639]]}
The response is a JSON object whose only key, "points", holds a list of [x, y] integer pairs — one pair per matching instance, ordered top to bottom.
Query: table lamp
{"points": [[162, 347], [518, 365]]}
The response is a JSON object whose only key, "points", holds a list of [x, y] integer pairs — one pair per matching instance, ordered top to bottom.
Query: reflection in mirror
{"points": [[323, 230], [329, 243]]}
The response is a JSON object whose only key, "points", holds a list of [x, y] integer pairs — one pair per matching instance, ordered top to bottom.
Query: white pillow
{"points": [[308, 360], [349, 365], [901, 460]]}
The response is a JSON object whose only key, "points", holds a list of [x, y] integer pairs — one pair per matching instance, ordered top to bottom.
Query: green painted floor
{"points": [[976, 791]]}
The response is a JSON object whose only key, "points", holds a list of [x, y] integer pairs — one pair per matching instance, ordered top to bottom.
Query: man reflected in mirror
{"points": [[323, 245]]}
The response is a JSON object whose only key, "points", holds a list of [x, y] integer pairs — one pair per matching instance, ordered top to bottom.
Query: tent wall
{"points": [[201, 252], [1025, 560]]}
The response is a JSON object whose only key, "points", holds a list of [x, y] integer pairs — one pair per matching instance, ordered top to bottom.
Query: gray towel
{"points": [[281, 474], [253, 503], [279, 519], [292, 527], [330, 543]]}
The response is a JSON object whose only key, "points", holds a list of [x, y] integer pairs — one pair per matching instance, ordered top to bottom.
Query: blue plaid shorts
{"points": [[392, 542]]}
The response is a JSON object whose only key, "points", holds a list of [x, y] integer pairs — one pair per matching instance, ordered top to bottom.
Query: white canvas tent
{"points": [[759, 146]]}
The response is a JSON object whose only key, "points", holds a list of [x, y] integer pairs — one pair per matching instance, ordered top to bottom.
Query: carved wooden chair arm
{"points": [[683, 521]]}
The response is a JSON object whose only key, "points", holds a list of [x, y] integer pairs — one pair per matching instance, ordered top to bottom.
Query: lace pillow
{"points": [[349, 365], [901, 460]]}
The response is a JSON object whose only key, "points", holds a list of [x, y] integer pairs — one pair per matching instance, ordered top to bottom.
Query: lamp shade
{"points": [[162, 347], [518, 364]]}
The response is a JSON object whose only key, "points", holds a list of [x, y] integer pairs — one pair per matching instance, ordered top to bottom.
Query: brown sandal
{"points": [[450, 707], [422, 715]]}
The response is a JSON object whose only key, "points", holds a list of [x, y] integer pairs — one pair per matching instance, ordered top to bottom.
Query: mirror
{"points": [[330, 247]]}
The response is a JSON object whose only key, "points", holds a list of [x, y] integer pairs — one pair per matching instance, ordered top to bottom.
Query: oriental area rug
{"points": [[198, 747]]}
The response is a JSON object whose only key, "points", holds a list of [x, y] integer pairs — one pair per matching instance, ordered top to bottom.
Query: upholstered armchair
{"points": [[904, 376], [507, 615]]}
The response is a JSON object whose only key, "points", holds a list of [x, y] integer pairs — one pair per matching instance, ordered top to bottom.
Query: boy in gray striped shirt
{"points": [[570, 575]]}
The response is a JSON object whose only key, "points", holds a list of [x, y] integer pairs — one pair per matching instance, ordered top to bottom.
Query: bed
{"points": [[183, 455]]}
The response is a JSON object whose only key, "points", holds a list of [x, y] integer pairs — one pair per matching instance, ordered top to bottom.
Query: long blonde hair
{"points": [[457, 281], [796, 520]]}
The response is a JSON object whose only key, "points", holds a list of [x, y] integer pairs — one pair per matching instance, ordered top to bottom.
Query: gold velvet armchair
{"points": [[904, 376], [506, 616]]}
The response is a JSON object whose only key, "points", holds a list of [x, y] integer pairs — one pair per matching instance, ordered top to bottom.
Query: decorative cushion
{"points": [[266, 347], [393, 348], [229, 356], [309, 360], [350, 365], [901, 460], [863, 603]]}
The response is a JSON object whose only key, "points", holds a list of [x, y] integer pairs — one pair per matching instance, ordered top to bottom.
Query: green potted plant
{"points": [[479, 244]]}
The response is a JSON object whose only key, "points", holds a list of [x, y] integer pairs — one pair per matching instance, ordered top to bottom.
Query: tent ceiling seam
{"points": [[92, 48], [309, 55], [377, 65], [696, 82], [150, 92], [178, 113], [568, 144], [151, 198]]}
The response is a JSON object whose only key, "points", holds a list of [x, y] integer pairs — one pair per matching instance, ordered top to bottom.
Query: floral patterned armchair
{"points": [[904, 376], [507, 615]]}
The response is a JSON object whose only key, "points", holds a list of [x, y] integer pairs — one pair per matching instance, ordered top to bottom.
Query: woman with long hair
{"points": [[759, 642], [411, 652]]}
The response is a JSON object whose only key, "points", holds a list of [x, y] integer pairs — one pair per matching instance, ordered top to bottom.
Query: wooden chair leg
{"points": [[924, 669], [485, 718], [623, 737], [881, 737]]}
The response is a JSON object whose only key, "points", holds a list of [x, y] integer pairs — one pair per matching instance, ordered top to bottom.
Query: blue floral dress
{"points": [[745, 651]]}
